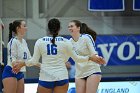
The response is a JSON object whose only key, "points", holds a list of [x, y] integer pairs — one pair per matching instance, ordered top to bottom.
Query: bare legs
{"points": [[12, 85], [80, 85], [88, 86], [41, 89], [61, 89]]}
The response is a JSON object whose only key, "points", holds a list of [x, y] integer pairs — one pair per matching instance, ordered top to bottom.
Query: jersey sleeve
{"points": [[90, 44], [12, 50], [71, 53], [29, 54], [36, 56]]}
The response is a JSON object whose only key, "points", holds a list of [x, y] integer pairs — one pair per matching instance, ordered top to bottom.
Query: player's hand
{"points": [[97, 59], [38, 65], [68, 65], [17, 66]]}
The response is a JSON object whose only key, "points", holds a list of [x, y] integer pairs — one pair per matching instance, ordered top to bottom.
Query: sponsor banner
{"points": [[119, 49], [104, 87], [115, 87]]}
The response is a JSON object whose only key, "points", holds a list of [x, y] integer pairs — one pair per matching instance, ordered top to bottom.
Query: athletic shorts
{"points": [[8, 73], [85, 78], [52, 84]]}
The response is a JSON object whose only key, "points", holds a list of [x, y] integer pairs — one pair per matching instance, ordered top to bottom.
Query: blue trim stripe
{"points": [[91, 39], [10, 48]]}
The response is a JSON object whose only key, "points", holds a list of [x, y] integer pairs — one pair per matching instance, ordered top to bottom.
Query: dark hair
{"points": [[77, 23], [54, 27], [13, 28], [86, 30]]}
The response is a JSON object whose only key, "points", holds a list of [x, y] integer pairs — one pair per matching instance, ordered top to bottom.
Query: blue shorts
{"points": [[8, 73], [85, 78], [52, 84]]}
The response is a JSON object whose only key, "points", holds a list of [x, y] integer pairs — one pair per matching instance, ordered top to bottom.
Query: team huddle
{"points": [[55, 51]]}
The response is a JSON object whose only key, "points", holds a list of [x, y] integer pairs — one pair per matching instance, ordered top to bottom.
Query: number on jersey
{"points": [[51, 49], [25, 55]]}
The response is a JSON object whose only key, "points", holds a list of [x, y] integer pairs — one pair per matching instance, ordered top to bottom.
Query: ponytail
{"points": [[54, 27], [13, 28], [86, 30], [10, 31], [54, 36]]}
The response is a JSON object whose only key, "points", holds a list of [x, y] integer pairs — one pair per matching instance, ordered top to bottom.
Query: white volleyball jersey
{"points": [[85, 46], [17, 51], [54, 57]]}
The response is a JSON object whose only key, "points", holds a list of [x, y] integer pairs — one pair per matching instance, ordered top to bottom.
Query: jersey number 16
{"points": [[51, 49]]}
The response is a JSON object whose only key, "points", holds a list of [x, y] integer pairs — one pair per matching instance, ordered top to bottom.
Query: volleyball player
{"points": [[17, 50], [88, 74]]}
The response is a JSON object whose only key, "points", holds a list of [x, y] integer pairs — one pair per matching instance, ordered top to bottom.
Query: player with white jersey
{"points": [[85, 46], [17, 50], [55, 51], [54, 57], [88, 74]]}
